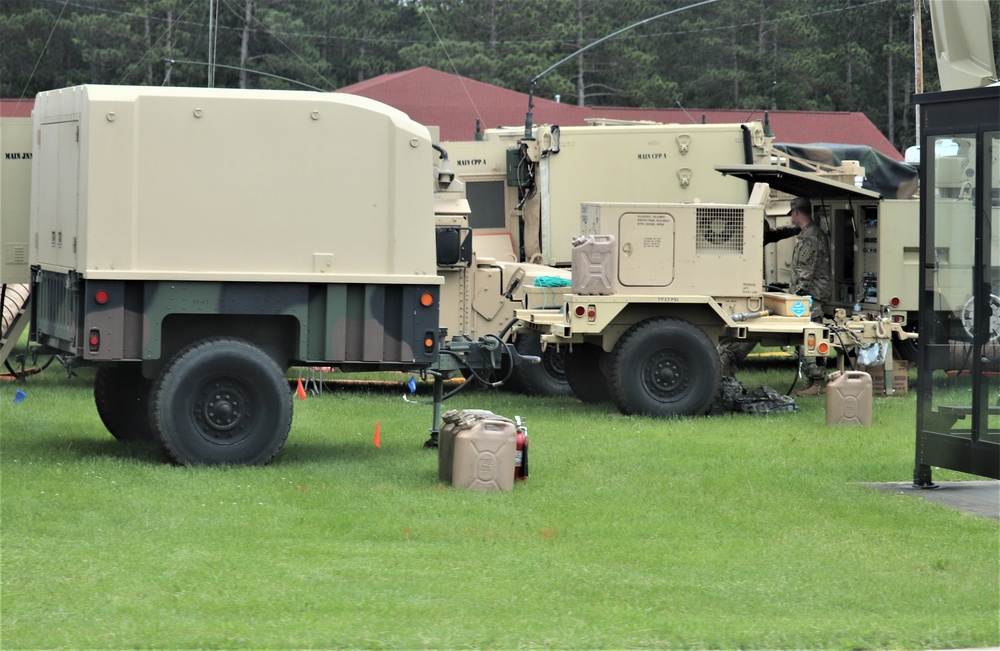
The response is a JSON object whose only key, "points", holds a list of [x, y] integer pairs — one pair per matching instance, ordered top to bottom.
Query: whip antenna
{"points": [[529, 117]]}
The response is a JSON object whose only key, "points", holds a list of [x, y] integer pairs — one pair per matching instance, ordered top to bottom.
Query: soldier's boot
{"points": [[816, 387]]}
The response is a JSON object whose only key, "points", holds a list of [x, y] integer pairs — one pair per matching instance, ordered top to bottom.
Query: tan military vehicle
{"points": [[531, 189], [525, 195], [193, 244], [657, 287]]}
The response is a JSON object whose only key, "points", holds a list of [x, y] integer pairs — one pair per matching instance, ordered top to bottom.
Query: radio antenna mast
{"points": [[529, 117]]}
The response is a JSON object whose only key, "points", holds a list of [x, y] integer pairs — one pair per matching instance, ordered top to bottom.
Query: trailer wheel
{"points": [[665, 367], [585, 375], [546, 378], [121, 395], [221, 401]]}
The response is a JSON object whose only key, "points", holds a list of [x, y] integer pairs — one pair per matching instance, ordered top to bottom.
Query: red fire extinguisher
{"points": [[521, 456]]}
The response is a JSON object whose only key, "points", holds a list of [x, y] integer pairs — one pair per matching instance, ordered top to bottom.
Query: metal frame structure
{"points": [[958, 409]]}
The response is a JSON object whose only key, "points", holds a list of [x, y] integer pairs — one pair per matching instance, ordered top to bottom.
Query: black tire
{"points": [[665, 367], [585, 374], [546, 378], [121, 395], [221, 401]]}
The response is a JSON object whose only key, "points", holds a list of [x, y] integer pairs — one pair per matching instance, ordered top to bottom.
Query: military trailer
{"points": [[193, 244], [657, 287]]}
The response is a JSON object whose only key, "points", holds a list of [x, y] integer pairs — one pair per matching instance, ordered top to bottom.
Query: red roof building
{"points": [[453, 104], [16, 108]]}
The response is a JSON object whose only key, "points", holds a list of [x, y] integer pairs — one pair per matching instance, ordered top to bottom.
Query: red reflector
{"points": [[101, 296], [894, 301], [580, 310], [592, 313], [94, 341]]}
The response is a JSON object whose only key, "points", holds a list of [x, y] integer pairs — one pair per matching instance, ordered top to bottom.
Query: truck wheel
{"points": [[665, 367], [584, 373], [546, 378], [121, 395], [221, 401]]}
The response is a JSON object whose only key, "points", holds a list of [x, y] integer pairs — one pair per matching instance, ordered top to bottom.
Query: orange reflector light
{"points": [[101, 296], [426, 300], [580, 310], [811, 340], [428, 343], [824, 348]]}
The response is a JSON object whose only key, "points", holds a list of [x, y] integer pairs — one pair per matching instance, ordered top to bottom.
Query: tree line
{"points": [[836, 55]]}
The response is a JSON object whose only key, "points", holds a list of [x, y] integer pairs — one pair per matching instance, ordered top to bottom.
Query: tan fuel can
{"points": [[849, 399], [486, 455]]}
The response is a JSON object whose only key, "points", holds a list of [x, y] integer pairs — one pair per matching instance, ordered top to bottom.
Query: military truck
{"points": [[532, 188], [525, 196], [193, 244], [657, 287]]}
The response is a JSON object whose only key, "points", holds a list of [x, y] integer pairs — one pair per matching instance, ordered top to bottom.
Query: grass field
{"points": [[730, 532]]}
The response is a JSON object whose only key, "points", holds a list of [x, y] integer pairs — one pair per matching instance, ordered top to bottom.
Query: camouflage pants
{"points": [[733, 352]]}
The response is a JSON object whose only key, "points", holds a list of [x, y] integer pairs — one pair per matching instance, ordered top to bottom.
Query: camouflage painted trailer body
{"points": [[196, 243], [361, 326]]}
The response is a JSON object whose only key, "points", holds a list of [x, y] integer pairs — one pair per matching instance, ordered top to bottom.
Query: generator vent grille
{"points": [[719, 230]]}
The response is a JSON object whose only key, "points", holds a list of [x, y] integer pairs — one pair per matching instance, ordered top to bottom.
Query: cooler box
{"points": [[787, 304]]}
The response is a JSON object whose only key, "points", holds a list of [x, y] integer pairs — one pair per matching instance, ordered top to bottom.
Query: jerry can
{"points": [[594, 263], [849, 399], [454, 421], [485, 455]]}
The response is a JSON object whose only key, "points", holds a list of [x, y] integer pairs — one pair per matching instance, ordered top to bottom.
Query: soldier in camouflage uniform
{"points": [[811, 276]]}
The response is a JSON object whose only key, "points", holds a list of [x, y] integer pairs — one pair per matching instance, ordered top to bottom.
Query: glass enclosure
{"points": [[958, 411]]}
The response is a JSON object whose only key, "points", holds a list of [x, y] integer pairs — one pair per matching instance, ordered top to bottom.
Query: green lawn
{"points": [[729, 532]]}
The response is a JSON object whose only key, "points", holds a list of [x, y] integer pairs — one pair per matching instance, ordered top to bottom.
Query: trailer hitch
{"points": [[479, 359]]}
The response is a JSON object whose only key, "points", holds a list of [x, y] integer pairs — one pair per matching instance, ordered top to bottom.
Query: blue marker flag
{"points": [[412, 384], [19, 396]]}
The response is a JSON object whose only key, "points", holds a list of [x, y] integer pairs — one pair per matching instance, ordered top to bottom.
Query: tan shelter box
{"points": [[220, 184], [15, 198], [683, 248]]}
